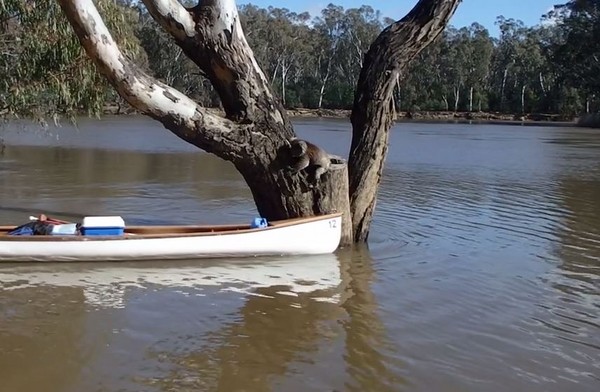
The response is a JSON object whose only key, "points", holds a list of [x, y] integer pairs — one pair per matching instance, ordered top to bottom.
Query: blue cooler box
{"points": [[102, 225]]}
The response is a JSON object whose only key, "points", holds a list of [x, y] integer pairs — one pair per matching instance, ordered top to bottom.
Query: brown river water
{"points": [[482, 272]]}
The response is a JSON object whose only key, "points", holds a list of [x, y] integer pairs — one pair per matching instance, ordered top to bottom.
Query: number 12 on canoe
{"points": [[332, 224]]}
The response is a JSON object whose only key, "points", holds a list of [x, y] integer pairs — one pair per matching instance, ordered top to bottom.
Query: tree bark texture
{"points": [[387, 59], [255, 131]]}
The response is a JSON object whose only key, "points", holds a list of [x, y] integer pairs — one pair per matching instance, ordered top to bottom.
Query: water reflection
{"points": [[77, 182], [481, 270], [105, 285], [269, 315], [276, 319], [41, 332], [367, 345]]}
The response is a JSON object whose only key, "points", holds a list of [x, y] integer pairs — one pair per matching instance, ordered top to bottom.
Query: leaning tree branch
{"points": [[173, 17], [219, 48], [385, 62], [173, 109], [255, 136]]}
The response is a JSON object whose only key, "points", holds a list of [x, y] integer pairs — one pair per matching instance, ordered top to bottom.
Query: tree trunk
{"points": [[386, 61], [284, 71], [323, 83], [542, 85], [502, 89], [399, 90], [321, 93], [456, 98], [471, 99], [523, 99], [446, 104], [587, 105], [254, 134]]}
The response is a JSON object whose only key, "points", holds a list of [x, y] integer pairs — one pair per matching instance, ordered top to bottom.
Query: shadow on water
{"points": [[276, 319]]}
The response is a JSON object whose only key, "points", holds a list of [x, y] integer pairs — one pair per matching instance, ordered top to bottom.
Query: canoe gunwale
{"points": [[133, 233]]}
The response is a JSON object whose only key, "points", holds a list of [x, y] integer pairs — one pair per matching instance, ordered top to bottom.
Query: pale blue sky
{"points": [[481, 11]]}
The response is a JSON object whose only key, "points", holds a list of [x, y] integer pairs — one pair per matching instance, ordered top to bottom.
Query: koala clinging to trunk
{"points": [[307, 155]]}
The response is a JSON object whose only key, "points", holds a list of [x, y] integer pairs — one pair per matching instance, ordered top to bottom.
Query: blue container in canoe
{"points": [[102, 225]]}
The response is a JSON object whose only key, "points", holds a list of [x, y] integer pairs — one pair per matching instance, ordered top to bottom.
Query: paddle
{"points": [[44, 218]]}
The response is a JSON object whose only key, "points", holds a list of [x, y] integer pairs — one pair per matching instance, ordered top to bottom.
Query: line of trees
{"points": [[292, 59], [314, 62]]}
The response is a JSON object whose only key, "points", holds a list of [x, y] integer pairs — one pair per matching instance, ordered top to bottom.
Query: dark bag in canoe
{"points": [[33, 228]]}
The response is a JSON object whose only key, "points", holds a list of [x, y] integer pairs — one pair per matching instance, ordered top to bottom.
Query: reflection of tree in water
{"points": [[94, 168], [72, 182], [580, 236], [276, 330], [41, 332], [367, 364]]}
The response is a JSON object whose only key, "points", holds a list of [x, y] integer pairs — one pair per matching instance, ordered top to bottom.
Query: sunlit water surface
{"points": [[482, 270]]}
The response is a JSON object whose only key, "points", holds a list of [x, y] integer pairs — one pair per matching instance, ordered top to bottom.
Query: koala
{"points": [[306, 155]]}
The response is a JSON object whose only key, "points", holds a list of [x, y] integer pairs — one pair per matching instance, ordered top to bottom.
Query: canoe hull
{"points": [[319, 235]]}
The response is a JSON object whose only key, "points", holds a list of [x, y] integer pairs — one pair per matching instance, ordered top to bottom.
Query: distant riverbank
{"points": [[432, 116], [443, 116]]}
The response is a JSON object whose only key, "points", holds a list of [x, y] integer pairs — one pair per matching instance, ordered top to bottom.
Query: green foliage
{"points": [[576, 49], [312, 61], [44, 68]]}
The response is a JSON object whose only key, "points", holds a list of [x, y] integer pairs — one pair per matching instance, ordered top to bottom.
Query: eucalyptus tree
{"points": [[255, 22], [360, 26], [287, 34], [329, 34], [280, 40], [454, 50], [577, 51], [167, 62], [477, 62], [503, 62], [529, 68], [43, 69], [424, 86], [254, 133]]}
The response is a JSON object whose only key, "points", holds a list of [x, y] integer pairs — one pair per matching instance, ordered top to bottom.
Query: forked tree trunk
{"points": [[385, 62], [255, 131]]}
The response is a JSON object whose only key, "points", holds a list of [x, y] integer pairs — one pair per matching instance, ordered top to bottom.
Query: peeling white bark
{"points": [[228, 14], [181, 24], [224, 24], [139, 89], [175, 110], [256, 127]]}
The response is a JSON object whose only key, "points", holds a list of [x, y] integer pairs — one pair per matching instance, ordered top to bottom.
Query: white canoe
{"points": [[299, 236]]}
